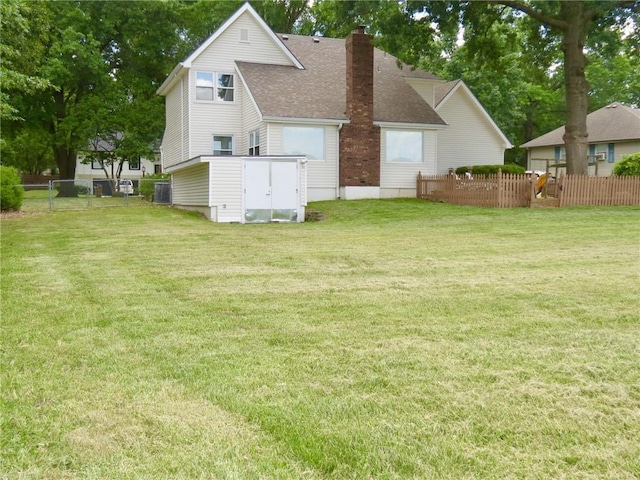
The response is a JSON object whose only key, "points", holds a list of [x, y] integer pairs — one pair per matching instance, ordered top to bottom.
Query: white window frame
{"points": [[215, 87], [297, 131], [254, 143], [392, 143], [213, 144], [601, 148], [562, 155], [133, 167]]}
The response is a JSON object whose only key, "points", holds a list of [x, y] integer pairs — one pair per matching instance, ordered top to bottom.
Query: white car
{"points": [[125, 186]]}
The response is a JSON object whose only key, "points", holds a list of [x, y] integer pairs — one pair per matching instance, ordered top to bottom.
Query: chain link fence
{"points": [[98, 193]]}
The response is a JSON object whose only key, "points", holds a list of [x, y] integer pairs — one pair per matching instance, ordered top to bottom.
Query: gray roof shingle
{"points": [[319, 91], [613, 123]]}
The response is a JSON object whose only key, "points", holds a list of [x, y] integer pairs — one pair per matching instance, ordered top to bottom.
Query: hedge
{"points": [[628, 166], [492, 169], [146, 186], [11, 190]]}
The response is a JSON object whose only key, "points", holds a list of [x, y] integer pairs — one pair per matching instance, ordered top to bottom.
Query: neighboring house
{"points": [[365, 125], [614, 131], [93, 173]]}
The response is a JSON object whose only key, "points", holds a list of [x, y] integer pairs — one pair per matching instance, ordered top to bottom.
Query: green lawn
{"points": [[39, 201], [393, 339]]}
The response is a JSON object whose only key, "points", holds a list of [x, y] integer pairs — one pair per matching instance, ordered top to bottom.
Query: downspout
{"points": [[338, 162]]}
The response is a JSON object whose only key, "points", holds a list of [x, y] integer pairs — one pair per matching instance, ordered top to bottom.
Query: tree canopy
{"points": [[74, 71]]}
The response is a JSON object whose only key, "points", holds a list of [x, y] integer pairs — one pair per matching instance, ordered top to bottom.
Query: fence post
{"points": [[419, 185], [51, 195]]}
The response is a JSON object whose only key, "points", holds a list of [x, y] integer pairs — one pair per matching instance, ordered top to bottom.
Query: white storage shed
{"points": [[248, 189]]}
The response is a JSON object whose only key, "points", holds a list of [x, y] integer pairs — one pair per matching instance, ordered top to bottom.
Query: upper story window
{"points": [[215, 87], [307, 141], [254, 143], [222, 145], [404, 146]]}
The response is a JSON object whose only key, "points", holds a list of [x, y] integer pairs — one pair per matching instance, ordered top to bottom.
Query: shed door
{"points": [[271, 191]]}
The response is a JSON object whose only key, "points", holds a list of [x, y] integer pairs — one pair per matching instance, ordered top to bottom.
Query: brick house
{"points": [[355, 123]]}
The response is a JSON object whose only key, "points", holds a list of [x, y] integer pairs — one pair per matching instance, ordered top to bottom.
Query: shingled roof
{"points": [[319, 90], [613, 123]]}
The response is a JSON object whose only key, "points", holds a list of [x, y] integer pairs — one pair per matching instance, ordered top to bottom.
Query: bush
{"points": [[629, 165], [492, 169], [462, 170], [146, 186], [11, 190]]}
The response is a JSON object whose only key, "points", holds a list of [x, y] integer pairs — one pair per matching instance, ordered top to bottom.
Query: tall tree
{"points": [[574, 21], [18, 41], [102, 62]]}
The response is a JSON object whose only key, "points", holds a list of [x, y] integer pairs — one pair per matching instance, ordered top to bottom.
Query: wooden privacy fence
{"points": [[500, 190], [505, 190], [599, 191]]}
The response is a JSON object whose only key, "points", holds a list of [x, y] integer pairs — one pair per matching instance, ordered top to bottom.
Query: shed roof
{"points": [[319, 90], [613, 123]]}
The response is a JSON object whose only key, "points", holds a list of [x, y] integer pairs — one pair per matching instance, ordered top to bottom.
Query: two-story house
{"points": [[330, 118]]}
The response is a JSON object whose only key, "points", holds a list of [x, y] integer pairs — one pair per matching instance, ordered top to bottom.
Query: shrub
{"points": [[629, 165], [492, 169], [462, 170], [146, 186], [11, 190]]}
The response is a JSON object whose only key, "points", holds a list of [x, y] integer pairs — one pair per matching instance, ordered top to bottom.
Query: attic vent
{"points": [[244, 35], [285, 37], [316, 40]]}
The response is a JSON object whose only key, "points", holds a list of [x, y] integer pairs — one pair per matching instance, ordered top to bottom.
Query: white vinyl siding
{"points": [[425, 88], [186, 108], [220, 118], [250, 123], [175, 136], [469, 139], [402, 176], [191, 186], [226, 188]]}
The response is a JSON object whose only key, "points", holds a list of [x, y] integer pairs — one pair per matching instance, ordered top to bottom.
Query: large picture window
{"points": [[212, 86], [307, 141], [222, 145], [403, 146]]}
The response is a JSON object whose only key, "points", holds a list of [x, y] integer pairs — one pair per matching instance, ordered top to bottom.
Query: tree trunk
{"points": [[576, 136], [66, 161]]}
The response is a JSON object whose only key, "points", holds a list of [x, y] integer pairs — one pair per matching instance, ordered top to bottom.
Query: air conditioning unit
{"points": [[601, 157]]}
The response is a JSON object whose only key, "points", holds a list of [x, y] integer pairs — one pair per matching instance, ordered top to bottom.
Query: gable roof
{"points": [[177, 71], [319, 90], [445, 91], [615, 122]]}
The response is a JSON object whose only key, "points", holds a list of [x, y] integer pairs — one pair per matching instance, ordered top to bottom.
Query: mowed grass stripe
{"points": [[394, 339]]}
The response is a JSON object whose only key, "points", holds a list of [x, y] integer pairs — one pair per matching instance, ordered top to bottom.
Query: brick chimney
{"points": [[359, 139]]}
